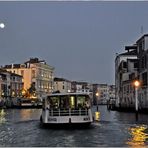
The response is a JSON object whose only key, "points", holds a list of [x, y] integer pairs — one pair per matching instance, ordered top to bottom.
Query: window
{"points": [[142, 62], [135, 64], [124, 65], [144, 78], [81, 101], [54, 102], [64, 102], [72, 102]]}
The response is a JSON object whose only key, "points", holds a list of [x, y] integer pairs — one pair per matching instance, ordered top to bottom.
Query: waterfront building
{"points": [[142, 52], [133, 66], [125, 71], [37, 76], [4, 84], [10, 84], [16, 85], [62, 85], [73, 86], [78, 86], [127, 87], [111, 92], [103, 93]]}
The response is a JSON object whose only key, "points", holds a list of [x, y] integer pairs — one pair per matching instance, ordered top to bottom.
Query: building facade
{"points": [[142, 53], [136, 68], [125, 72], [37, 74], [4, 84], [11, 84], [16, 85], [62, 85], [78, 86], [111, 91], [102, 93]]}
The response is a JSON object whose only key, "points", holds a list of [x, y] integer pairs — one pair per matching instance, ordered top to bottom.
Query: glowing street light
{"points": [[137, 85], [97, 96]]}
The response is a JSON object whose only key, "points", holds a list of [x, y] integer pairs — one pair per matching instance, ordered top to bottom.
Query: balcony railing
{"points": [[68, 112]]}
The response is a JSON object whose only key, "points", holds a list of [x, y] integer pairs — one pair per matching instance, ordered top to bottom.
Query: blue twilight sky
{"points": [[80, 39]]}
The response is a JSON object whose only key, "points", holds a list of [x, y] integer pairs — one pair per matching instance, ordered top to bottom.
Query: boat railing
{"points": [[68, 112]]}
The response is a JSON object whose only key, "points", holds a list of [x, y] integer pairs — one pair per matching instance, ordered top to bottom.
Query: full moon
{"points": [[2, 25]]}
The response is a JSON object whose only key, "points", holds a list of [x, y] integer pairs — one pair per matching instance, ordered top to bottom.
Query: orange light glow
{"points": [[137, 83], [97, 94], [138, 136]]}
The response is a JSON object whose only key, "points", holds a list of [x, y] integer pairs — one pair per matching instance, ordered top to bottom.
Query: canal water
{"points": [[21, 127]]}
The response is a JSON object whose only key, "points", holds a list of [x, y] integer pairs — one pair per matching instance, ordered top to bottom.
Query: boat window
{"points": [[80, 101], [54, 102], [64, 102], [72, 102], [83, 102]]}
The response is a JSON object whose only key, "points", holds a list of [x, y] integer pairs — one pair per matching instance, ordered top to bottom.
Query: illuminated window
{"points": [[72, 102]]}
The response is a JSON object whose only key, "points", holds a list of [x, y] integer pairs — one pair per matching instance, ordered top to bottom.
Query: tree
{"points": [[32, 89]]}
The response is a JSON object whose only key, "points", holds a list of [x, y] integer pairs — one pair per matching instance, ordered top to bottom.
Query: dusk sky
{"points": [[79, 39]]}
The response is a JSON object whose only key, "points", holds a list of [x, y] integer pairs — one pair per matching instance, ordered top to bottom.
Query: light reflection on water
{"points": [[25, 114], [2, 116], [113, 129], [138, 136]]}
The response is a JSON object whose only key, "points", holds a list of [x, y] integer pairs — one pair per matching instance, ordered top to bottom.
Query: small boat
{"points": [[26, 103], [67, 109]]}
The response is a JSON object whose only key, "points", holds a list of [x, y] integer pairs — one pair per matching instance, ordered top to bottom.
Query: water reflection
{"points": [[26, 114], [2, 116], [97, 116], [138, 136]]}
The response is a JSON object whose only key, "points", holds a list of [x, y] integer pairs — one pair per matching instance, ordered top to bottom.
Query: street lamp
{"points": [[137, 85], [97, 96]]}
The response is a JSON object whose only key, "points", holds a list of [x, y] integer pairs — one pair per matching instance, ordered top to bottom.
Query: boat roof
{"points": [[63, 94]]}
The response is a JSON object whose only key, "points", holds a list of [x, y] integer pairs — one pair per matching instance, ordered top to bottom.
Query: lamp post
{"points": [[136, 84], [97, 96]]}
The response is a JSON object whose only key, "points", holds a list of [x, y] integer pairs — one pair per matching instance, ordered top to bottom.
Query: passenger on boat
{"points": [[87, 104]]}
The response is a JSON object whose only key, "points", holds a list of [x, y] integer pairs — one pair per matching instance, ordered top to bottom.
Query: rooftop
{"points": [[145, 35], [132, 52], [35, 60], [60, 79]]}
